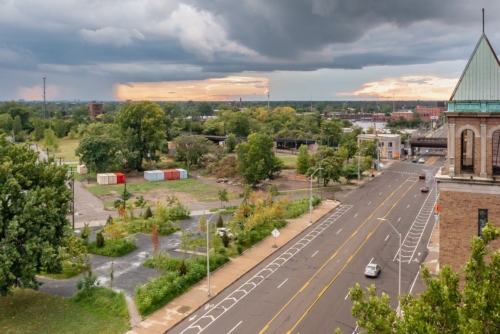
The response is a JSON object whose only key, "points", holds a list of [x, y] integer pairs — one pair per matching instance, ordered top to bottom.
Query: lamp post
{"points": [[359, 175], [311, 196], [208, 253], [399, 284]]}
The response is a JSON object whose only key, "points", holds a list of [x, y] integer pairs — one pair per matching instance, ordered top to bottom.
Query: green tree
{"points": [[204, 109], [6, 123], [239, 124], [17, 126], [141, 131], [37, 133], [49, 138], [231, 142], [192, 148], [368, 148], [98, 151], [256, 160], [303, 162], [332, 169], [350, 172], [223, 196], [35, 201], [443, 307]]}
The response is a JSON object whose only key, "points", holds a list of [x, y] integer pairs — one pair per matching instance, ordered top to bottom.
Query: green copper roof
{"points": [[480, 80]]}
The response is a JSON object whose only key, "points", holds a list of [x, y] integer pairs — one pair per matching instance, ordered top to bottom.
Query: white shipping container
{"points": [[82, 169], [183, 173], [150, 175], [159, 175], [102, 178], [111, 178]]}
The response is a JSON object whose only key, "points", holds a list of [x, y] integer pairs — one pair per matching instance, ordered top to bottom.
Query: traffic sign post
{"points": [[275, 233]]}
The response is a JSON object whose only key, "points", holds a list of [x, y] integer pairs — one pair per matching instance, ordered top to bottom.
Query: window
{"points": [[390, 144], [467, 154], [482, 219]]}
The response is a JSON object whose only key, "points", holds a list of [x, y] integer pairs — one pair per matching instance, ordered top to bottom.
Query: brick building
{"points": [[95, 109], [425, 113], [406, 114], [469, 183]]}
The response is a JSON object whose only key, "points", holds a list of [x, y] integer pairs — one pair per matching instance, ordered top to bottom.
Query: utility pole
{"points": [[44, 104]]}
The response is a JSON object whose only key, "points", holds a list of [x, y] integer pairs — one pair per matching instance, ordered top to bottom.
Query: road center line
{"points": [[355, 215], [338, 231], [386, 238], [314, 253], [334, 255], [346, 263], [282, 283], [234, 327]]}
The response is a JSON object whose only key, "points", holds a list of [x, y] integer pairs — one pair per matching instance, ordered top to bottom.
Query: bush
{"points": [[298, 207], [148, 214], [220, 222], [86, 232], [225, 239], [99, 241], [113, 248], [182, 268], [88, 281], [161, 290]]}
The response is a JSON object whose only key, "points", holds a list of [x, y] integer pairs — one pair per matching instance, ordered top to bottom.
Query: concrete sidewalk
{"points": [[432, 259], [181, 307]]}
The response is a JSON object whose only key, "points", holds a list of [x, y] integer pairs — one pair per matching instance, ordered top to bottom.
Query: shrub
{"points": [[148, 214], [109, 221], [220, 222], [86, 232], [225, 239], [99, 241], [113, 248], [182, 268], [88, 281]]}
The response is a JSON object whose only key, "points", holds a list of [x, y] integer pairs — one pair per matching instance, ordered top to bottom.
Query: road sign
{"points": [[275, 233]]}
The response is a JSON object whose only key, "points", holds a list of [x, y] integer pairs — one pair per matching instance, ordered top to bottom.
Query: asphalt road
{"points": [[304, 287]]}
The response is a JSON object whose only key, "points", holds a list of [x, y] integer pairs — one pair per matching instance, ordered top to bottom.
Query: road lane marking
{"points": [[389, 186], [380, 193], [415, 196], [369, 203], [408, 206], [355, 215], [399, 219], [338, 231], [386, 238], [315, 253], [335, 254], [371, 260], [347, 262], [279, 286], [247, 287], [346, 296], [239, 323]]}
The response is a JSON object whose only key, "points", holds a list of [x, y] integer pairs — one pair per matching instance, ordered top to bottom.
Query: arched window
{"points": [[496, 152], [467, 156]]}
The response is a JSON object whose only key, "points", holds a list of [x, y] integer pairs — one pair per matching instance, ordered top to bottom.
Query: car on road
{"points": [[414, 160], [421, 160], [422, 176], [424, 189], [372, 270]]}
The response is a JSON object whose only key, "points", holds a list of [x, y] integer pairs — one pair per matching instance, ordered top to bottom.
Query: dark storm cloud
{"points": [[156, 40]]}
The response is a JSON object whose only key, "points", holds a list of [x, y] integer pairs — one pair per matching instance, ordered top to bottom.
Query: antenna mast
{"points": [[483, 20], [44, 104]]}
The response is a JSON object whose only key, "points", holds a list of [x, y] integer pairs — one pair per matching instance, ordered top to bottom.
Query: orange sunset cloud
{"points": [[407, 88], [196, 90]]}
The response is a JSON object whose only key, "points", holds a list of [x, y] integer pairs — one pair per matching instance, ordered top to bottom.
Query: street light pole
{"points": [[359, 175], [311, 197], [399, 285]]}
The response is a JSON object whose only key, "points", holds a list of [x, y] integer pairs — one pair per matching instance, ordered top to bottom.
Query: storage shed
{"points": [[82, 169], [183, 174], [154, 175], [102, 178], [111, 178], [120, 178]]}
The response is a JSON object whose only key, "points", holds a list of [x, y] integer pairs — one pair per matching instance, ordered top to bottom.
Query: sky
{"points": [[217, 50]]}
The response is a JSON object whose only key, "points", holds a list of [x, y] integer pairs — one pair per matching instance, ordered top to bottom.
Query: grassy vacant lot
{"points": [[65, 150], [289, 160], [195, 188], [97, 311]]}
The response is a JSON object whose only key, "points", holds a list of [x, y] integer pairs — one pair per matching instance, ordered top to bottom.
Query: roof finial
{"points": [[483, 20]]}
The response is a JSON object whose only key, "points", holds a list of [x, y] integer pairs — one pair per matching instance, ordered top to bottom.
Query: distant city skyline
{"points": [[204, 50]]}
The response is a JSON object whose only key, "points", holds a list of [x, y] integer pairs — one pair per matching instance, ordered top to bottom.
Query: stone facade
{"points": [[460, 203]]}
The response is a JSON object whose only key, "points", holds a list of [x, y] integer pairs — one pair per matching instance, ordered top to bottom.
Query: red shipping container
{"points": [[167, 174], [171, 174], [176, 175], [120, 177]]}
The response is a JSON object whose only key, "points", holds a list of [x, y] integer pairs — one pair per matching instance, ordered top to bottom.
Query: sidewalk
{"points": [[432, 259], [181, 307]]}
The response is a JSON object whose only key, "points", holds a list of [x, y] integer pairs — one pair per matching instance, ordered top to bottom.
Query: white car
{"points": [[421, 160]]}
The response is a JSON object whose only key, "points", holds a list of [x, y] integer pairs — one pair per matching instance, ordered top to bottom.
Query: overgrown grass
{"points": [[66, 149], [289, 160], [195, 188], [297, 207], [140, 225], [112, 247], [69, 269], [160, 290], [96, 311]]}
